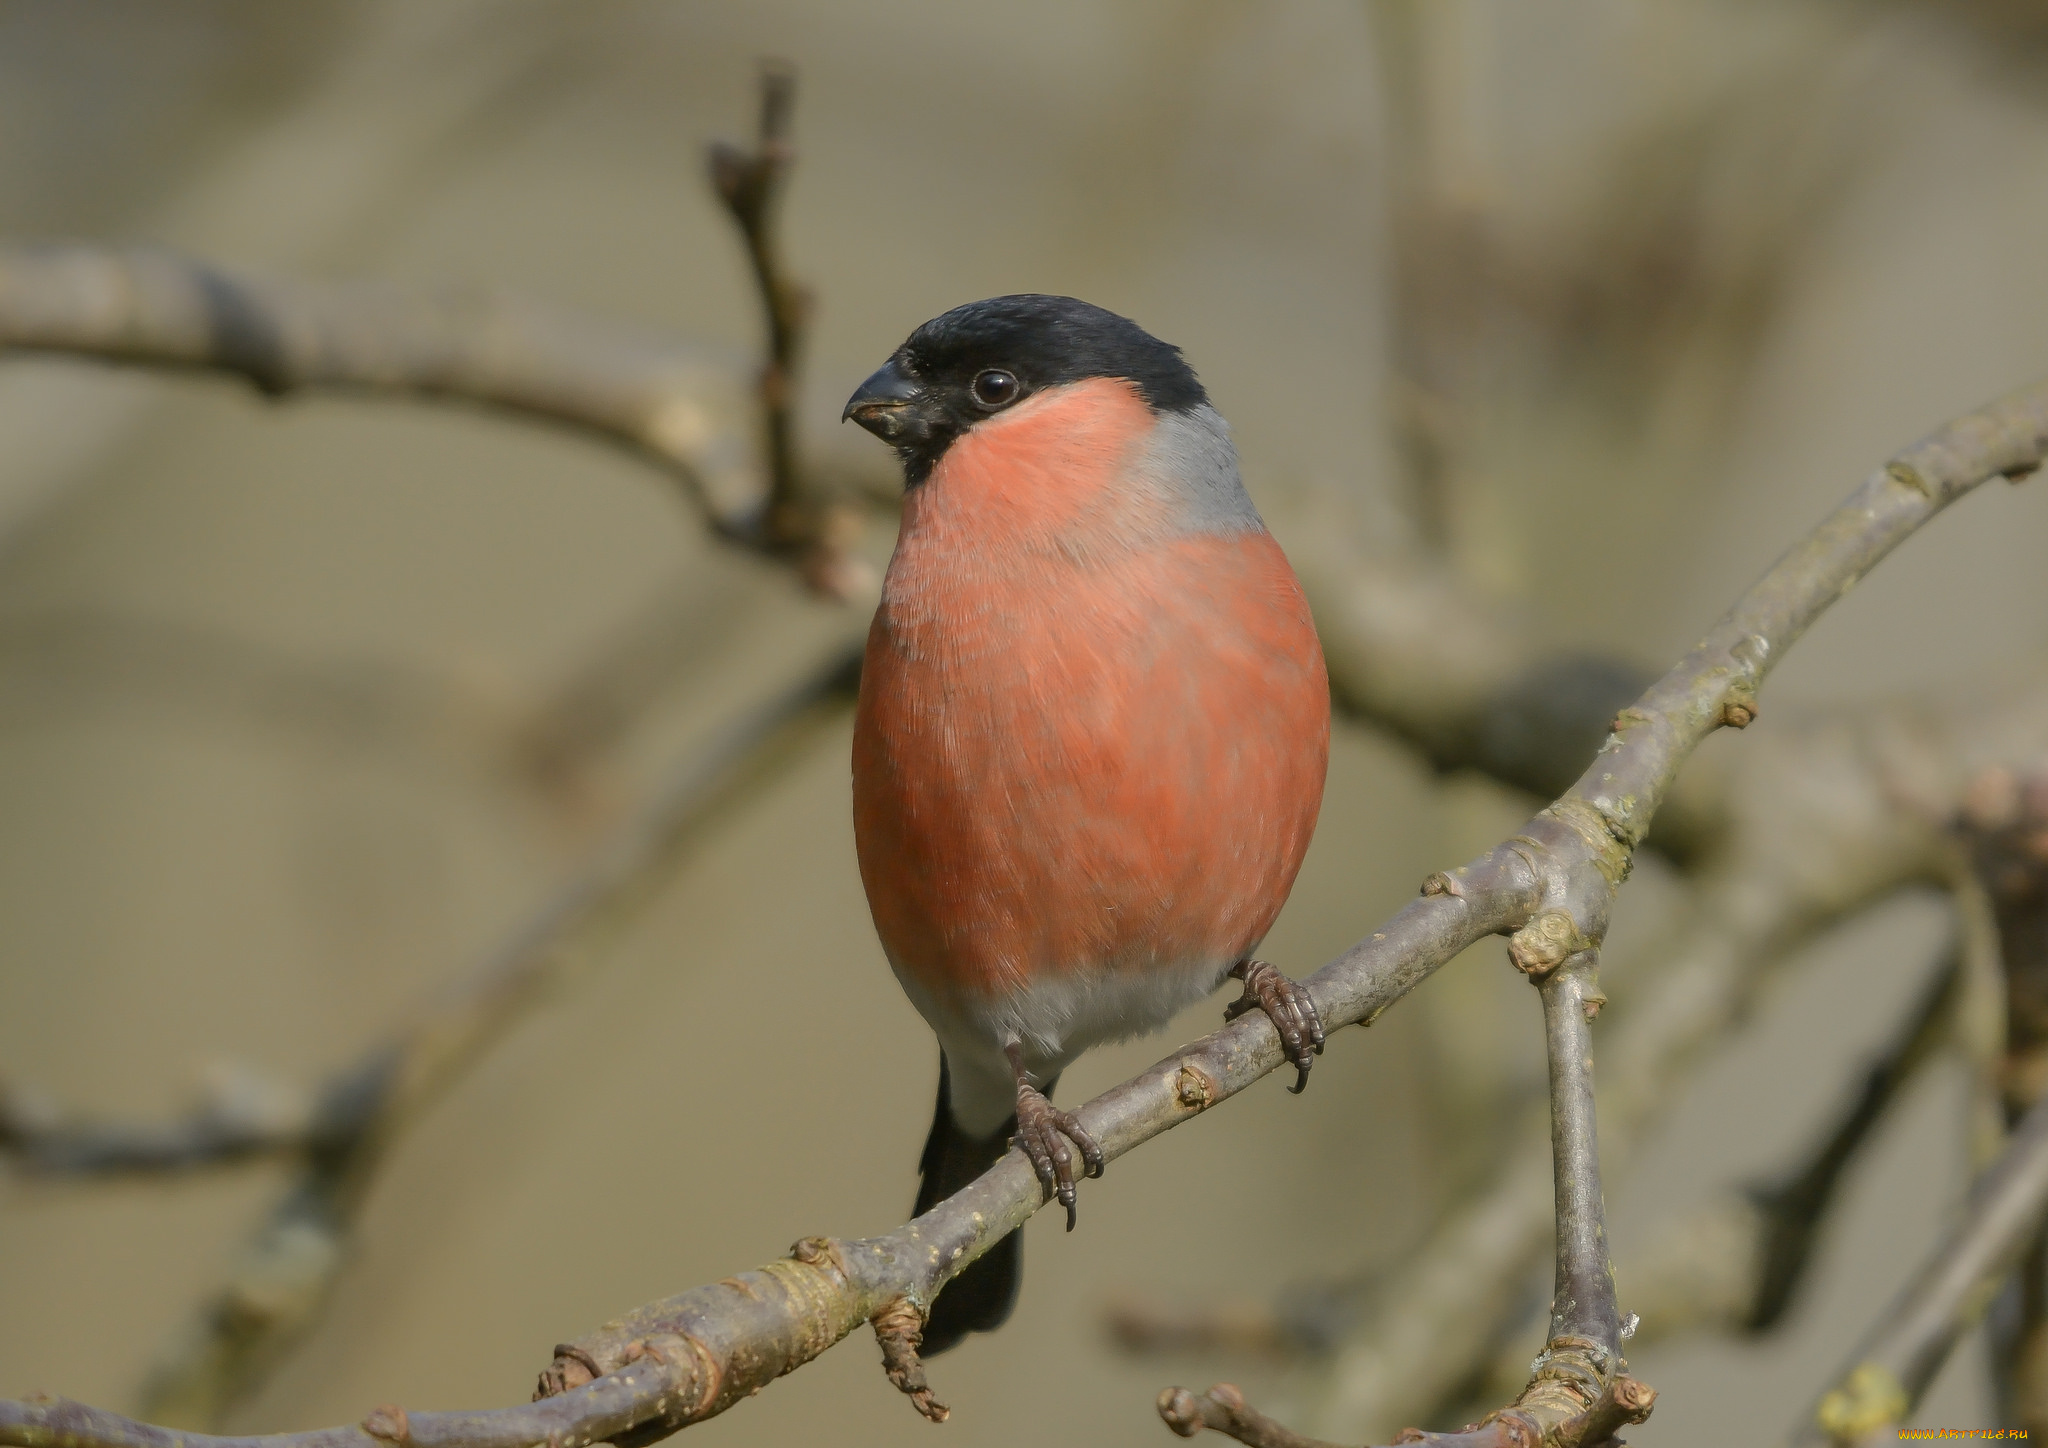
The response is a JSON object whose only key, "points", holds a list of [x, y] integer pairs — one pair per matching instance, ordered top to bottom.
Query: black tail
{"points": [[980, 1298]]}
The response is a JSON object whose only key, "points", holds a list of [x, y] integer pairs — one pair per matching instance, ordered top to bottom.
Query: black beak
{"points": [[885, 404]]}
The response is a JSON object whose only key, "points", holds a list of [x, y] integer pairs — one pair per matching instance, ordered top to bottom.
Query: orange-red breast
{"points": [[1093, 727]]}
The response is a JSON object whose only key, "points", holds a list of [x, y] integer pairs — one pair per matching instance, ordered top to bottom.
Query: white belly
{"points": [[1052, 1022]]}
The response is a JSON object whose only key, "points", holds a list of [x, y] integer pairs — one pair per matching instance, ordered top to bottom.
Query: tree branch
{"points": [[750, 183], [671, 405], [793, 522], [1470, 684], [1823, 820], [2004, 823], [1590, 834], [238, 1117], [1790, 1210], [1734, 1265], [1737, 1265], [284, 1271], [1582, 1307], [1896, 1363], [1578, 1392], [1224, 1409]]}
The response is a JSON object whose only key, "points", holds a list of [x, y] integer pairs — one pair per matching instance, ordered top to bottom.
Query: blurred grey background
{"points": [[199, 864]]}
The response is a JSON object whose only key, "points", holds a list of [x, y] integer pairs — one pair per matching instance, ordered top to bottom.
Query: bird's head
{"points": [[984, 358]]}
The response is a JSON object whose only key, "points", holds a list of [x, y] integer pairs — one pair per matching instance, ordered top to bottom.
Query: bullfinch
{"points": [[1093, 728]]}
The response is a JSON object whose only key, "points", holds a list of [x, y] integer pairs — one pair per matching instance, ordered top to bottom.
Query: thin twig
{"points": [[750, 183], [674, 406], [818, 536], [1469, 682], [1824, 820], [2003, 823], [1591, 833], [1551, 886], [238, 1117], [1791, 1210], [1733, 1265], [284, 1271], [1582, 1307], [2019, 1340], [1581, 1358], [1896, 1363], [1578, 1392], [1224, 1409]]}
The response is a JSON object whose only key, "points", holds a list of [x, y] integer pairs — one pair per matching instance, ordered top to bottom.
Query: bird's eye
{"points": [[996, 388]]}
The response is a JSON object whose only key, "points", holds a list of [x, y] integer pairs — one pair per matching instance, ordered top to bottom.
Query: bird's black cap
{"points": [[984, 357]]}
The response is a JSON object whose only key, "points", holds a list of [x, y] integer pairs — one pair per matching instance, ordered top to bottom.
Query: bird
{"points": [[1091, 735]]}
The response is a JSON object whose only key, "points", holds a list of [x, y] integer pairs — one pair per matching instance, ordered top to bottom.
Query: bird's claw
{"points": [[1288, 1006], [1043, 1132]]}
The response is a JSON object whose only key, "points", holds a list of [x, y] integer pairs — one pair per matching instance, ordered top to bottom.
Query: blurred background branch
{"points": [[750, 182], [668, 403], [285, 1270]]}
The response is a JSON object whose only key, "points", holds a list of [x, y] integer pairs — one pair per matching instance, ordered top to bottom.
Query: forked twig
{"points": [[672, 405]]}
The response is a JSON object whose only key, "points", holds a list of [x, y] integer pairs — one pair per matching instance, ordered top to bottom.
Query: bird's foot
{"points": [[1287, 1005], [1043, 1131]]}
